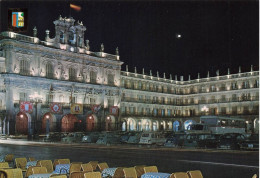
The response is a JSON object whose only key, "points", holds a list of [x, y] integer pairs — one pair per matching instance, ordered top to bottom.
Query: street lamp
{"points": [[36, 98]]}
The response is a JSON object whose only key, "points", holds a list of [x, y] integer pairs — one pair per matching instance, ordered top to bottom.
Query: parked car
{"points": [[125, 136], [54, 137], [73, 137], [91, 137], [109, 138], [152, 138], [134, 139], [175, 140], [190, 140], [208, 141], [231, 141], [251, 143]]}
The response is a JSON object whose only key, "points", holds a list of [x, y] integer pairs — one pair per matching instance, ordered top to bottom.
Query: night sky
{"points": [[215, 34]]}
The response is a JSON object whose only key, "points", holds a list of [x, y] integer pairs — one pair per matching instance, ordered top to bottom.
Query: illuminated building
{"points": [[62, 72]]}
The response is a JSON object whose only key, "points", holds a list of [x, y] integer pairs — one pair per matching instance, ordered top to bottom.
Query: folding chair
{"points": [[102, 166], [87, 167], [150, 169], [130, 172], [195, 174], [92, 175], [179, 175]]}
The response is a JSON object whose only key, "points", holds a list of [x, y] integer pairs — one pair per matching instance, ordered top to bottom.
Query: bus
{"points": [[222, 125]]}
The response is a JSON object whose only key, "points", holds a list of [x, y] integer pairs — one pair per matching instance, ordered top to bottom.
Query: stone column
{"points": [[10, 115]]}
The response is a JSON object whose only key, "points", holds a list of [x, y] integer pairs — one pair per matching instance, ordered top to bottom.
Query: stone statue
{"points": [[102, 48]]}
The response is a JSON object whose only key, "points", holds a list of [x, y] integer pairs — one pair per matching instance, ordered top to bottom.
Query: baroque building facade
{"points": [[63, 72]]}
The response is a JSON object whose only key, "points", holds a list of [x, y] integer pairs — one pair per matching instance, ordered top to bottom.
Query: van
{"points": [[152, 138]]}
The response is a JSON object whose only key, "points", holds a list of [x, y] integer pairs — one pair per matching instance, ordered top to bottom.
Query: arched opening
{"points": [[91, 121], [22, 123], [48, 123], [68, 123], [110, 123], [188, 123], [131, 124], [146, 125], [162, 125], [256, 125], [124, 126], [139, 126], [155, 126], [176, 126]]}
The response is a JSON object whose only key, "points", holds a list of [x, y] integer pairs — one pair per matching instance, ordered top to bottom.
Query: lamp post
{"points": [[35, 98]]}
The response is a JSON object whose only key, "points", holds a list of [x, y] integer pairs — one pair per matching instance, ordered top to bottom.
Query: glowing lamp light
{"points": [[205, 108], [21, 116], [47, 116], [90, 117], [108, 117]]}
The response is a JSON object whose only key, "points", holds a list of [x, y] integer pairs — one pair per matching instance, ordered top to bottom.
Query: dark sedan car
{"points": [[175, 140], [231, 141], [251, 143]]}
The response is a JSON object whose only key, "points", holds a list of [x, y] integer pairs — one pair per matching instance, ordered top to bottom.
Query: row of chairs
{"points": [[80, 170], [132, 172]]}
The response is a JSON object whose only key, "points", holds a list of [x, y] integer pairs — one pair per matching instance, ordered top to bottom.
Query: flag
{"points": [[75, 7], [17, 19], [26, 106], [56, 108], [76, 108], [113, 110]]}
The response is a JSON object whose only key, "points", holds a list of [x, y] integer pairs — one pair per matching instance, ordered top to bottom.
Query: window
{"points": [[62, 37], [72, 39], [24, 67], [49, 70], [72, 74], [93, 77], [110, 79], [234, 86], [23, 96], [49, 97], [234, 97], [61, 98], [92, 101], [110, 102], [147, 110], [223, 110], [234, 110], [155, 112], [163, 112], [169, 112]]}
